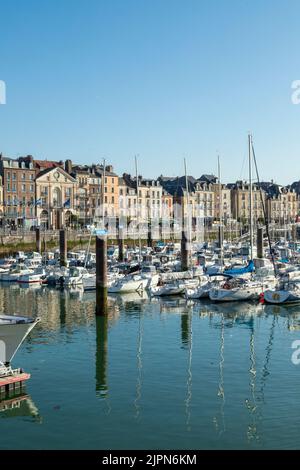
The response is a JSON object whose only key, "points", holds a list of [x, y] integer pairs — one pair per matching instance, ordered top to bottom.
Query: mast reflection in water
{"points": [[170, 374]]}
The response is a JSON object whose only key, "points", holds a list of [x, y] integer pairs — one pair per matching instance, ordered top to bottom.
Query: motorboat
{"points": [[6, 264], [15, 273], [75, 276], [33, 277], [129, 283], [176, 287], [201, 291]]}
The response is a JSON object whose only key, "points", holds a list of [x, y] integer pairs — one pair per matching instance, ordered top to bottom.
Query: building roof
{"points": [[58, 168], [95, 169], [211, 179]]}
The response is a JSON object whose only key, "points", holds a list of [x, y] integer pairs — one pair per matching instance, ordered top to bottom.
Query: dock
{"points": [[13, 381]]}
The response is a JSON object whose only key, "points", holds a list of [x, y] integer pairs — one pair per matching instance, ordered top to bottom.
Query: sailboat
{"points": [[239, 288], [287, 292]]}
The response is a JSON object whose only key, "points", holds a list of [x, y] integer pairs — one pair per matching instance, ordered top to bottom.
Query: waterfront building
{"points": [[18, 191], [97, 191], [220, 192], [55, 198], [240, 202], [282, 203], [145, 204]]}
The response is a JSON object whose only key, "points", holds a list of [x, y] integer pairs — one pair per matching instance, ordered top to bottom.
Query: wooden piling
{"points": [[221, 236], [149, 237], [38, 239], [260, 242], [121, 245], [63, 247], [184, 252], [101, 275]]}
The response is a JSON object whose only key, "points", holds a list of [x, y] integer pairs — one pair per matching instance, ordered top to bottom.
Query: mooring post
{"points": [[221, 236], [149, 238], [38, 239], [260, 242], [121, 244], [63, 247], [184, 252], [101, 275]]}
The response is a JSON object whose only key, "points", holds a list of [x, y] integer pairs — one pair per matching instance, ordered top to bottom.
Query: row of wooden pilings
{"points": [[101, 258]]}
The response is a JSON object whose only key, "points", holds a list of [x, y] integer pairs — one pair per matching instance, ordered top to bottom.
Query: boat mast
{"points": [[103, 195], [250, 196], [187, 203], [137, 206], [220, 211]]}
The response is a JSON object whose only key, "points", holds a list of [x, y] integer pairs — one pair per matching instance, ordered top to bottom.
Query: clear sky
{"points": [[164, 79]]}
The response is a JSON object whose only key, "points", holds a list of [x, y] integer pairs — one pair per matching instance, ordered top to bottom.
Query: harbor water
{"points": [[155, 374]]}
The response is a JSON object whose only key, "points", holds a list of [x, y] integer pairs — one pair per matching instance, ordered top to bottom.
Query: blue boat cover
{"points": [[237, 271]]}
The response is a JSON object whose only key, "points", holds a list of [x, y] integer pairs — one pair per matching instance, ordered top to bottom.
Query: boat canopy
{"points": [[238, 271]]}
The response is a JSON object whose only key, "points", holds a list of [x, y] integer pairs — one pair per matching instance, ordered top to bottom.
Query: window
{"points": [[8, 176], [14, 176], [23, 176], [8, 186], [14, 187], [23, 188], [31, 188], [105, 189], [121, 192], [105, 199], [113, 200]]}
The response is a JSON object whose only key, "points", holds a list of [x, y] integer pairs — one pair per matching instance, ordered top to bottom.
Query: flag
{"points": [[38, 202], [67, 203]]}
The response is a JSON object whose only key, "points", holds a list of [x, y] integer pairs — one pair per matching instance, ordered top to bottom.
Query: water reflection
{"points": [[238, 337], [101, 356], [139, 368], [16, 406], [220, 422]]}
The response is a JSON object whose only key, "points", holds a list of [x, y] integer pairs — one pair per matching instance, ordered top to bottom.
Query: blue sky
{"points": [[164, 79]]}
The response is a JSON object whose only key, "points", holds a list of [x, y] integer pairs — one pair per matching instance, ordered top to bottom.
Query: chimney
{"points": [[68, 166], [109, 168]]}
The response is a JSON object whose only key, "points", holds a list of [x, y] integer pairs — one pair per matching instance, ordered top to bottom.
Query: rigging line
{"points": [[242, 169], [264, 209]]}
